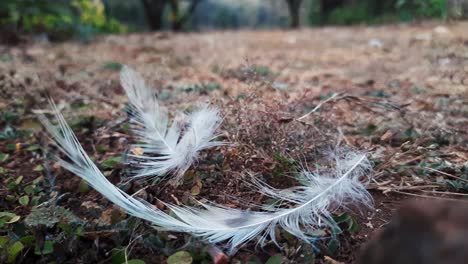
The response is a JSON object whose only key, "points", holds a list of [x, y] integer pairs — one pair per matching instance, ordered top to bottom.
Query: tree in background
{"points": [[327, 6], [294, 8], [154, 10], [348, 12], [57, 19], [62, 19], [178, 20]]}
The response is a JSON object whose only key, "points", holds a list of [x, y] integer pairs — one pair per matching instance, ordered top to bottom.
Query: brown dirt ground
{"points": [[403, 99]]}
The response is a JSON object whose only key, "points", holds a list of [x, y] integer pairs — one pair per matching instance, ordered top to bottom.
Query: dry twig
{"points": [[334, 95]]}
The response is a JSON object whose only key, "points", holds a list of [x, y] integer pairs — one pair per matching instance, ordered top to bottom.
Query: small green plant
{"points": [[113, 66], [260, 70], [8, 120], [111, 162], [286, 165], [461, 184], [26, 193], [50, 216], [7, 218], [13, 250], [180, 257]]}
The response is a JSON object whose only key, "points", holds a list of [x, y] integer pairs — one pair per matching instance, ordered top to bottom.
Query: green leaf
{"points": [[115, 66], [241, 96], [30, 124], [125, 127], [9, 133], [11, 146], [33, 148], [101, 148], [3, 156], [111, 162], [38, 168], [19, 180], [38, 180], [83, 187], [196, 188], [30, 189], [24, 200], [35, 200], [7, 214], [9, 218], [342, 218], [14, 219], [353, 225], [66, 227], [79, 231], [28, 240], [3, 241], [333, 245], [46, 249], [14, 250], [118, 256], [181, 257], [276, 259]]}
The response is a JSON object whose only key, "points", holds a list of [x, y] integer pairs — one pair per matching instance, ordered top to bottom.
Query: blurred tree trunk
{"points": [[293, 7], [106, 8], [154, 12], [178, 20], [176, 26], [9, 33]]}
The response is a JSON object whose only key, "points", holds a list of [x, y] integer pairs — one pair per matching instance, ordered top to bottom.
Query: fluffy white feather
{"points": [[166, 149], [80, 164], [314, 202]]}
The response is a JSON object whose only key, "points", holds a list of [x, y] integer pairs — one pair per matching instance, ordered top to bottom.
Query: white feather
{"points": [[166, 150], [80, 164], [314, 203], [214, 223]]}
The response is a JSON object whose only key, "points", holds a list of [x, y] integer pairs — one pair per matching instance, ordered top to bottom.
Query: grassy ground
{"points": [[398, 92]]}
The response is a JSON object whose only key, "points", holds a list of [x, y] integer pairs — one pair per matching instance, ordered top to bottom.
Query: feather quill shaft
{"points": [[167, 149], [216, 224]]}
